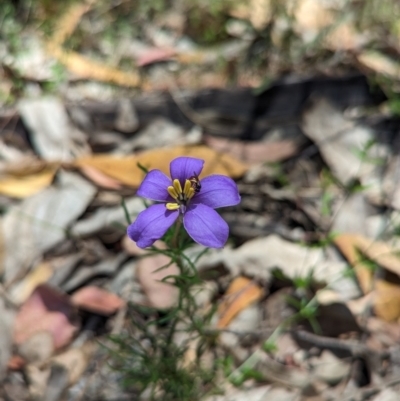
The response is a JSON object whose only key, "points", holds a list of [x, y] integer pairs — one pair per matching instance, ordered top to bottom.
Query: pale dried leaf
{"points": [[380, 63], [52, 133], [342, 143], [108, 217], [40, 222], [160, 294], [75, 361]]}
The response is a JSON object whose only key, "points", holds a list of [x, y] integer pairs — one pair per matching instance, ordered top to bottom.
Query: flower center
{"points": [[182, 196]]}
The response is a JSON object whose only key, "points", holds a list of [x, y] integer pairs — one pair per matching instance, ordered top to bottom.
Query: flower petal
{"points": [[183, 168], [154, 186], [217, 191], [151, 224], [206, 226]]}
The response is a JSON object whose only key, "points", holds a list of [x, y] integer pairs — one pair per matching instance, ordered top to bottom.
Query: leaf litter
{"points": [[305, 298]]}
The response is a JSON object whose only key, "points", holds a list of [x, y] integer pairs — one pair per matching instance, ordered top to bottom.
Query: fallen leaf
{"points": [[260, 13], [311, 16], [66, 25], [343, 37], [155, 55], [380, 63], [88, 69], [52, 133], [341, 143], [260, 152], [126, 170], [99, 178], [24, 186], [107, 218], [39, 222], [351, 245], [38, 275], [241, 293], [160, 294], [385, 295], [97, 300], [387, 300], [48, 311], [75, 361]]}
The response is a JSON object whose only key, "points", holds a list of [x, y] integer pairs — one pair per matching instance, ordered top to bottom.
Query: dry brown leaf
{"points": [[67, 23], [380, 63], [89, 69], [260, 152], [125, 169], [100, 178], [18, 186], [349, 245], [378, 251], [241, 293], [385, 295], [97, 300], [387, 300], [46, 311]]}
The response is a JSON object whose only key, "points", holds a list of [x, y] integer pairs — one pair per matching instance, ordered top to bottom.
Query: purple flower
{"points": [[184, 195]]}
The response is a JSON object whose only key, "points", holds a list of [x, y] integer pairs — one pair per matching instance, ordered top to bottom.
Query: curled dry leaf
{"points": [[126, 170], [241, 293], [97, 300], [46, 311]]}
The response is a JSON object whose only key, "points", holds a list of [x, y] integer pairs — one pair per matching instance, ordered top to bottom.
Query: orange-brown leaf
{"points": [[241, 293]]}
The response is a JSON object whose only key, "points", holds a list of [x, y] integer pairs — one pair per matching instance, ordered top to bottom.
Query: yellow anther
{"points": [[177, 186], [186, 189], [172, 192], [191, 193], [172, 206]]}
